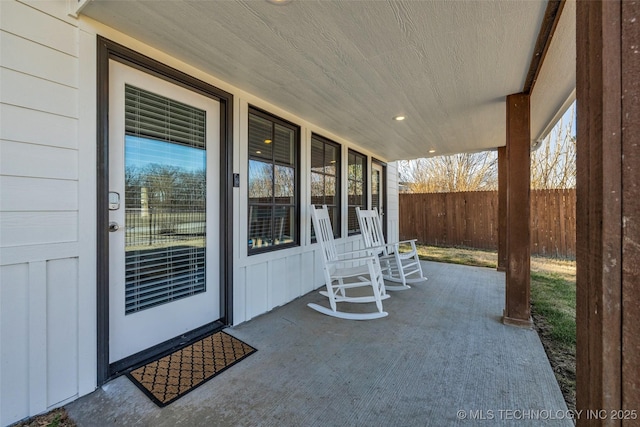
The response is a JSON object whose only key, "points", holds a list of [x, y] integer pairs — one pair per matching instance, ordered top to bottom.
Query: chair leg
{"points": [[417, 258], [375, 274], [330, 291], [342, 291]]}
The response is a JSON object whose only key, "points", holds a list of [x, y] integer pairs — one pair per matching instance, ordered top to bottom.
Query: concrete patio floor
{"points": [[440, 358]]}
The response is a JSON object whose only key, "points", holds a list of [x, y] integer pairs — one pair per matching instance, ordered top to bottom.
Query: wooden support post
{"points": [[607, 207], [502, 208], [517, 310]]}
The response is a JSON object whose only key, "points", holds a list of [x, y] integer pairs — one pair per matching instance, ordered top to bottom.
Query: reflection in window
{"points": [[325, 183], [356, 187], [375, 189], [273, 193], [165, 200]]}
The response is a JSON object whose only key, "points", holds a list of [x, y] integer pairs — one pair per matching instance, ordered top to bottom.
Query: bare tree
{"points": [[553, 164], [458, 172]]}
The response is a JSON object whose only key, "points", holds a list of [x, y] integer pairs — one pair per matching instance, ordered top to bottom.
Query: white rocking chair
{"points": [[400, 267], [360, 271]]}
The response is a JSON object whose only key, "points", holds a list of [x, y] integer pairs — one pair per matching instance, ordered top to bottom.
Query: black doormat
{"points": [[172, 376]]}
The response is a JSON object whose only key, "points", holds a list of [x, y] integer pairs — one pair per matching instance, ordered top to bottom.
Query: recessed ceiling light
{"points": [[399, 118], [267, 141], [432, 151], [258, 152], [333, 161]]}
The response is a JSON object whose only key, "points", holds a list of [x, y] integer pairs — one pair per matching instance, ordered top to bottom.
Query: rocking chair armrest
{"points": [[375, 249], [357, 259]]}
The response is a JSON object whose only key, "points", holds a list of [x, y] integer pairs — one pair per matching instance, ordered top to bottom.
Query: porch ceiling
{"points": [[350, 66]]}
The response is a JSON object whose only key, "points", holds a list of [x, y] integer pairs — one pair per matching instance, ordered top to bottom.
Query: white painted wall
{"points": [[48, 216], [40, 292]]}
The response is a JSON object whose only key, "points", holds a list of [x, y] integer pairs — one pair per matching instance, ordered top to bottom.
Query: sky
{"points": [[140, 152]]}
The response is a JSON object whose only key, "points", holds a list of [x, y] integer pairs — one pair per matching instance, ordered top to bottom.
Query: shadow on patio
{"points": [[441, 350]]}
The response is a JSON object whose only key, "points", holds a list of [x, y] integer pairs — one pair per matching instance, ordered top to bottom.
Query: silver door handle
{"points": [[113, 226]]}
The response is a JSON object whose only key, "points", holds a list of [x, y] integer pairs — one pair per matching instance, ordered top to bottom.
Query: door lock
{"points": [[113, 226]]}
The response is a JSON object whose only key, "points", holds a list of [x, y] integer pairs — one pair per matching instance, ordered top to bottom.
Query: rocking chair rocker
{"points": [[399, 267], [359, 271]]}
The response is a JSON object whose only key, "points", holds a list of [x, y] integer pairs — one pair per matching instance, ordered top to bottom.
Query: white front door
{"points": [[163, 214]]}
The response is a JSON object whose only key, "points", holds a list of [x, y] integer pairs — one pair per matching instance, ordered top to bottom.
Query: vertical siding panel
{"points": [[87, 217], [318, 271], [308, 272], [292, 277], [278, 283], [257, 290], [240, 296], [38, 326], [62, 329], [14, 336]]}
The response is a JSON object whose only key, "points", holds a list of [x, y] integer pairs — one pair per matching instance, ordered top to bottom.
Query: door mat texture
{"points": [[172, 376]]}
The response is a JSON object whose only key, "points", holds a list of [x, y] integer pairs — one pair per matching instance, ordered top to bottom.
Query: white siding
{"points": [[47, 210], [38, 212], [14, 327], [62, 329]]}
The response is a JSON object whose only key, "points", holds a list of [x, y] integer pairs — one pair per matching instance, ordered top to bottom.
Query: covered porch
{"points": [[441, 357]]}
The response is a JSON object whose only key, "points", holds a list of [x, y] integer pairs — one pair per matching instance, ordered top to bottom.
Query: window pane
{"points": [[260, 137], [283, 145], [317, 156], [331, 157], [260, 182], [325, 183], [284, 185], [317, 187], [329, 188], [357, 188], [375, 189], [334, 215], [285, 225], [353, 225], [260, 226]]}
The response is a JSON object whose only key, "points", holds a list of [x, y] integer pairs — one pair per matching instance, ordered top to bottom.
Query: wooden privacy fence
{"points": [[471, 219]]}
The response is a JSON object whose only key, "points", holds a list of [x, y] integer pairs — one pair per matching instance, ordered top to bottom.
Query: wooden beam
{"points": [[549, 23], [608, 202], [517, 307], [630, 307]]}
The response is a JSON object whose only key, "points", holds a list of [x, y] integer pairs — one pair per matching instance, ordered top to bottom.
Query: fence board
{"points": [[471, 219]]}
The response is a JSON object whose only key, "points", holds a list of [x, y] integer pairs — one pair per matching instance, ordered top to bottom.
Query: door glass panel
{"points": [[375, 189], [165, 200]]}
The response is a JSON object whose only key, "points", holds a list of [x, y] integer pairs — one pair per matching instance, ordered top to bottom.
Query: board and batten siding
{"points": [[39, 214], [48, 243]]}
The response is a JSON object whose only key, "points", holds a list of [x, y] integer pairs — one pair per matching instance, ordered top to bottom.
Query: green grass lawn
{"points": [[553, 305]]}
